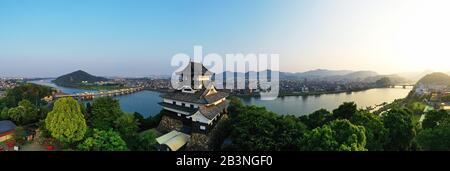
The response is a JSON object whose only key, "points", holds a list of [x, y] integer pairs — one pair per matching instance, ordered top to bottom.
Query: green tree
{"points": [[31, 92], [235, 105], [31, 111], [105, 111], [345, 111], [25, 113], [4, 114], [17, 114], [434, 117], [316, 119], [151, 121], [66, 122], [127, 126], [400, 128], [253, 129], [257, 129], [289, 133], [376, 133], [19, 134], [338, 135], [436, 138], [103, 140], [147, 141]]}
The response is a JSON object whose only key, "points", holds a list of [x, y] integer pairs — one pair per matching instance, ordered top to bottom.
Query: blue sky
{"points": [[139, 37]]}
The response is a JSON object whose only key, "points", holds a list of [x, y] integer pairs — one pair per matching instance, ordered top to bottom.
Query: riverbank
{"points": [[93, 87], [285, 94], [304, 105]]}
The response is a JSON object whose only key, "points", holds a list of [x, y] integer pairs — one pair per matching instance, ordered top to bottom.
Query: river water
{"points": [[143, 102], [146, 102]]}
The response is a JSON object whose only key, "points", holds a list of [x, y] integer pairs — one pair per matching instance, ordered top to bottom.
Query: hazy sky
{"points": [[138, 38]]}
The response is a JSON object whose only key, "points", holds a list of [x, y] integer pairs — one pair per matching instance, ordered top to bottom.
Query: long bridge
{"points": [[402, 86], [92, 95]]}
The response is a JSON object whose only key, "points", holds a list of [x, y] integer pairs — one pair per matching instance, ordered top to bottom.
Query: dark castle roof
{"points": [[195, 68], [198, 97], [209, 112]]}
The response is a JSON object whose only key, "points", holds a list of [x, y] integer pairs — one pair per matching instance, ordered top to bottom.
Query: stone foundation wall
{"points": [[168, 124], [198, 142], [203, 142]]}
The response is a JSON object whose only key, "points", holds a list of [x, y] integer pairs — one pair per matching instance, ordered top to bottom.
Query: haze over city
{"points": [[138, 38]]}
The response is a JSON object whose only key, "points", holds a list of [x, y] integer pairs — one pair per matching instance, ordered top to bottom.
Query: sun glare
{"points": [[422, 37]]}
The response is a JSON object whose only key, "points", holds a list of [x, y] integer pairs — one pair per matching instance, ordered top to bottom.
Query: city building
{"points": [[193, 109]]}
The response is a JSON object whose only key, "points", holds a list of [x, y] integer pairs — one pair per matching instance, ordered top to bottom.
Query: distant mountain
{"points": [[319, 74], [354, 76], [414, 76], [76, 78], [437, 78], [394, 79]]}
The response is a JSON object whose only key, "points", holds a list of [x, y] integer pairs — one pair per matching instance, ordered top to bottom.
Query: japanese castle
{"points": [[193, 109]]}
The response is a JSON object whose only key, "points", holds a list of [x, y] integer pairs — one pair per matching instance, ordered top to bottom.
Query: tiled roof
{"points": [[197, 97], [180, 108], [211, 112], [6, 126]]}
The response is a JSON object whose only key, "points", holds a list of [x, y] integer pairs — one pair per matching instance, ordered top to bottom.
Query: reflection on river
{"points": [[146, 102], [303, 105]]}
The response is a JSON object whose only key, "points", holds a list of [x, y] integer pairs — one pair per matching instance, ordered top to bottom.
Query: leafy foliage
{"points": [[31, 92], [105, 111], [345, 111], [25, 113], [4, 114], [433, 118], [316, 119], [66, 122], [257, 129], [400, 130], [376, 133], [339, 135], [436, 138], [103, 140], [147, 141]]}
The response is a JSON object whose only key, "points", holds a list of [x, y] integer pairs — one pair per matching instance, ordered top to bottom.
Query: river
{"points": [[146, 102], [303, 105]]}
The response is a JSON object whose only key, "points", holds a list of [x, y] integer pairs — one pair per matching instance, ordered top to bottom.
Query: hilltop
{"points": [[77, 78], [437, 78]]}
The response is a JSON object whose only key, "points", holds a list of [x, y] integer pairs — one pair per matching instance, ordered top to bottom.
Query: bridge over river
{"points": [[92, 95]]}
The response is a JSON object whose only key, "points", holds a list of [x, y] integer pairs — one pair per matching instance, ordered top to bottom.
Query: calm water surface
{"points": [[145, 102], [303, 105]]}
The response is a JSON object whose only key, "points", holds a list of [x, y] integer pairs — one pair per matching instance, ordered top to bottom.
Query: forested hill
{"points": [[77, 77], [436, 78]]}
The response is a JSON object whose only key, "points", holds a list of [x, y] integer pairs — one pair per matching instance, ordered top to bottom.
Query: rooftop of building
{"points": [[199, 97], [6, 125]]}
